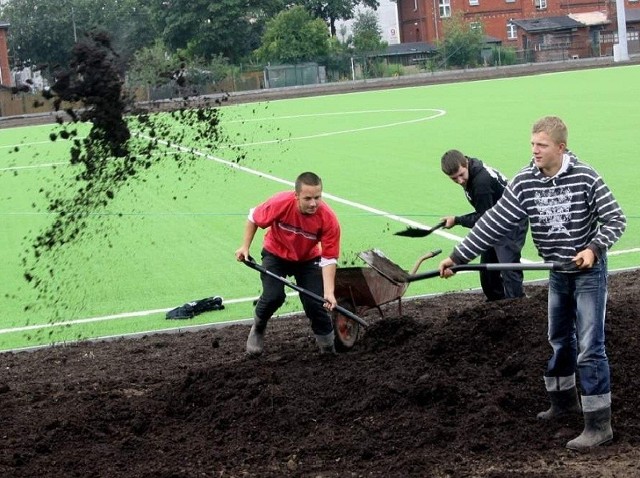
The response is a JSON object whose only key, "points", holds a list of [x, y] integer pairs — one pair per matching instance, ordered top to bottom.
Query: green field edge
{"points": [[208, 325]]}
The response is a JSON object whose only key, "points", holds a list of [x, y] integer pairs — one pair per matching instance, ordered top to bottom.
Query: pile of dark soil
{"points": [[450, 388]]}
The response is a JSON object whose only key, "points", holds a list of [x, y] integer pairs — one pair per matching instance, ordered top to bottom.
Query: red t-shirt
{"points": [[294, 236]]}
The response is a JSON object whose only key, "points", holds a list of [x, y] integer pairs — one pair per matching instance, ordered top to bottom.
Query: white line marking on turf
{"points": [[336, 113], [334, 133], [22, 145], [46, 165], [338, 199], [143, 313], [124, 315]]}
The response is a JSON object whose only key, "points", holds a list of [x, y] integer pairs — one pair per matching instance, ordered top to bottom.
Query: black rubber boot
{"points": [[255, 341], [563, 403], [597, 430]]}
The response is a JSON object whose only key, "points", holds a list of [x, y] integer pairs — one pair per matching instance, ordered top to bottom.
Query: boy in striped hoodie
{"points": [[574, 218]]}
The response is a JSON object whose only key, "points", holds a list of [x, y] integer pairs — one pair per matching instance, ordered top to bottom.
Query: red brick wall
{"points": [[5, 74]]}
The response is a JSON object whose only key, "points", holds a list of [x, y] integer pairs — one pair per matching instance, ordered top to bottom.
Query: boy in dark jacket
{"points": [[483, 186]]}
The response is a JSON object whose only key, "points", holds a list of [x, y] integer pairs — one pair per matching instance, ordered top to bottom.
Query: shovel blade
{"points": [[417, 232]]}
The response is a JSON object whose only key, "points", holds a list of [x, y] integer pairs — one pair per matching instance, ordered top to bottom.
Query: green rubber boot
{"points": [[255, 341], [326, 343], [563, 403], [597, 430]]}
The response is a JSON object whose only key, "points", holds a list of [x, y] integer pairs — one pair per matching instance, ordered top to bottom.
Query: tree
{"points": [[332, 10], [206, 29], [44, 31], [367, 34], [294, 36], [34, 41], [367, 41], [462, 43], [152, 66]]}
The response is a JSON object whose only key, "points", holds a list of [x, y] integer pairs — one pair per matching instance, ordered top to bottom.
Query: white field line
{"points": [[337, 113], [437, 114], [22, 145], [45, 165], [144, 313]]}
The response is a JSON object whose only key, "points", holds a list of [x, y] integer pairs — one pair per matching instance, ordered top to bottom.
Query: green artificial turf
{"points": [[169, 236]]}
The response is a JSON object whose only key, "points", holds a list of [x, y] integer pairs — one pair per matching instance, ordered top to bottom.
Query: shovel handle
{"points": [[505, 266], [312, 295]]}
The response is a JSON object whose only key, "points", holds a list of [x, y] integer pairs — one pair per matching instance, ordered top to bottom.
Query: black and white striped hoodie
{"points": [[567, 212]]}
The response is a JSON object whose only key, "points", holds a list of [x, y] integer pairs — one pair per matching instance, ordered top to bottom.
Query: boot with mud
{"points": [[255, 341], [326, 343], [563, 403], [597, 431]]}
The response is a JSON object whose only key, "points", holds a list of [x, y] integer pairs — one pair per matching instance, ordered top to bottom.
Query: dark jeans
{"points": [[308, 275], [498, 285]]}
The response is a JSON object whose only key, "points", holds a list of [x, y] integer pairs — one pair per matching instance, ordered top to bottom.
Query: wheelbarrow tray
{"points": [[366, 287], [359, 289]]}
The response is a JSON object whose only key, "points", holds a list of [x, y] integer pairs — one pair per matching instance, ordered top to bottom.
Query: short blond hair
{"points": [[554, 127]]}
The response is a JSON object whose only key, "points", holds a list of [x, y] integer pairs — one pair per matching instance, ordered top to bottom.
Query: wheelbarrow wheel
{"points": [[346, 330]]}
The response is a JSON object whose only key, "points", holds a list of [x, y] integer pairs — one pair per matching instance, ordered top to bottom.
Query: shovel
{"points": [[418, 232], [394, 272], [347, 313]]}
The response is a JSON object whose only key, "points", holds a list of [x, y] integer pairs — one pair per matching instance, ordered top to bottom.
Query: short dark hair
{"points": [[452, 160], [308, 178]]}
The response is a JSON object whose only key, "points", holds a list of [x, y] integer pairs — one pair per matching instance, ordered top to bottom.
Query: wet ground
{"points": [[449, 388]]}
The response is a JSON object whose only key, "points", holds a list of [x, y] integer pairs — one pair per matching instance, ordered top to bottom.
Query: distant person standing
{"points": [[483, 186], [574, 219], [303, 241]]}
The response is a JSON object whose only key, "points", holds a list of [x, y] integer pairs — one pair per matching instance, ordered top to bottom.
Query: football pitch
{"points": [[169, 237]]}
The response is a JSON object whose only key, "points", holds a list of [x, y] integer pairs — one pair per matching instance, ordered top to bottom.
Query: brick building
{"points": [[544, 29], [5, 73]]}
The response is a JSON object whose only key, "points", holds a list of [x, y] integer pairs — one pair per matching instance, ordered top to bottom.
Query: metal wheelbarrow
{"points": [[359, 289]]}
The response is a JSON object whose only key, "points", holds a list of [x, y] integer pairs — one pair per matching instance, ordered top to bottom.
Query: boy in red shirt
{"points": [[303, 241]]}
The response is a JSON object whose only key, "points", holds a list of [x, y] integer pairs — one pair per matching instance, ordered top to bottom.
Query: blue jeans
{"points": [[577, 305]]}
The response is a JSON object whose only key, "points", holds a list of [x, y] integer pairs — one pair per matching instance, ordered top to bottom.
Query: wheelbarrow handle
{"points": [[505, 266], [312, 295]]}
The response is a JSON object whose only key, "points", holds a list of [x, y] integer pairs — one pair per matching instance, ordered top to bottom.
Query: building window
{"points": [[474, 2], [541, 4], [445, 8], [475, 26], [511, 31]]}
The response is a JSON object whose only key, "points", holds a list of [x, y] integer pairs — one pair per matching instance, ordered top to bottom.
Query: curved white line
{"points": [[335, 113], [437, 114]]}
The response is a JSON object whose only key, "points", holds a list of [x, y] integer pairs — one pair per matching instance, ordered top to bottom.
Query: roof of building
{"points": [[632, 15], [591, 18], [4, 24], [548, 24], [410, 48]]}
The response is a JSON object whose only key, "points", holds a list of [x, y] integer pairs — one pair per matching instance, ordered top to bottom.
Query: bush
{"points": [[503, 56], [394, 69]]}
